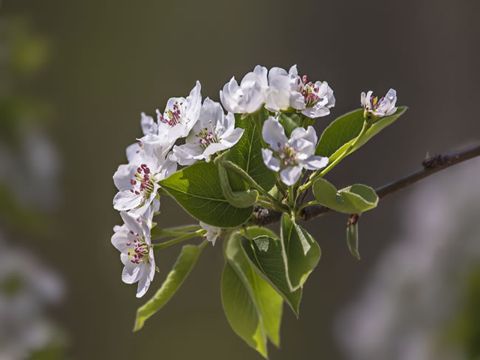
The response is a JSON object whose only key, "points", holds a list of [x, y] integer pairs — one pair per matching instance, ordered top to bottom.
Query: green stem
{"points": [[319, 174], [307, 204], [158, 233], [177, 240]]}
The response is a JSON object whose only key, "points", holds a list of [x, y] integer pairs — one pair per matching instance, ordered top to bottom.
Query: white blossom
{"points": [[290, 91], [247, 97], [384, 106], [179, 117], [213, 132], [151, 141], [290, 156], [137, 182], [212, 234], [132, 239]]}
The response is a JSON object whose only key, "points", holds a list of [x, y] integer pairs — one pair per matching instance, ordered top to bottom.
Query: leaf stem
{"points": [[234, 167], [318, 174], [158, 233], [178, 240]]}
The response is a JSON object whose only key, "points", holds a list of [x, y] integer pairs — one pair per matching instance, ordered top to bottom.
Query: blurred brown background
{"points": [[110, 60]]}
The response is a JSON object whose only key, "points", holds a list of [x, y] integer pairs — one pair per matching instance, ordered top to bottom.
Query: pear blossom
{"points": [[290, 91], [247, 97], [384, 106], [179, 117], [213, 132], [155, 144], [290, 156], [137, 182], [212, 234], [133, 241]]}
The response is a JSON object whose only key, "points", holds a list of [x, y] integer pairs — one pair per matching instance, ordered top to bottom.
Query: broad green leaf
{"points": [[342, 131], [247, 152], [197, 189], [354, 199], [352, 239], [264, 250], [300, 251], [186, 261], [253, 307], [241, 311]]}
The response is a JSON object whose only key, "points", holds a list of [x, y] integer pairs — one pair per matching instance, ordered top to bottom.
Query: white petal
{"points": [[293, 71], [226, 95], [278, 95], [297, 101], [194, 105], [316, 111], [211, 113], [149, 126], [226, 126], [274, 134], [233, 137], [304, 141], [157, 146], [212, 149], [133, 152], [187, 154], [270, 161], [315, 162], [167, 168], [123, 175], [290, 175], [126, 200], [132, 223], [212, 232], [120, 238], [130, 273], [143, 285]]}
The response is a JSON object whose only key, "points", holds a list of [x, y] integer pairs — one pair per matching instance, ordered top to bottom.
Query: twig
{"points": [[430, 166]]}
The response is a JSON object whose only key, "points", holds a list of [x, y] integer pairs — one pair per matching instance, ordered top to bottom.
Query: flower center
{"points": [[309, 91], [374, 102], [172, 116], [207, 137], [288, 156], [142, 182], [139, 250]]}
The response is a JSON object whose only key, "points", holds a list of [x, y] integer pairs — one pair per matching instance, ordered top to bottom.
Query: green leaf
{"points": [[291, 121], [342, 131], [247, 153], [197, 189], [354, 199], [352, 239], [264, 250], [300, 251], [186, 261], [252, 307]]}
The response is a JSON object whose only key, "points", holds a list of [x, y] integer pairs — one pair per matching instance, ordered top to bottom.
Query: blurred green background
{"points": [[111, 60]]}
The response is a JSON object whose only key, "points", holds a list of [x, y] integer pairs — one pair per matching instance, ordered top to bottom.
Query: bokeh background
{"points": [[98, 64]]}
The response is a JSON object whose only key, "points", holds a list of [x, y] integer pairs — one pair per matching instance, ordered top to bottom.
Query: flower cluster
{"points": [[278, 90], [192, 130], [205, 130]]}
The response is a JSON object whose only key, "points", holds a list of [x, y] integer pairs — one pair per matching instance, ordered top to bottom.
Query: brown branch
{"points": [[430, 166]]}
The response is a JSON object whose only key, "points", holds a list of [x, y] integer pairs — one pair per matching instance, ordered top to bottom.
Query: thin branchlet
{"points": [[430, 166]]}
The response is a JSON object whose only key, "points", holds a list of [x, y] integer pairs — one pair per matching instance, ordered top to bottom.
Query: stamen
{"points": [[172, 116], [207, 137]]}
